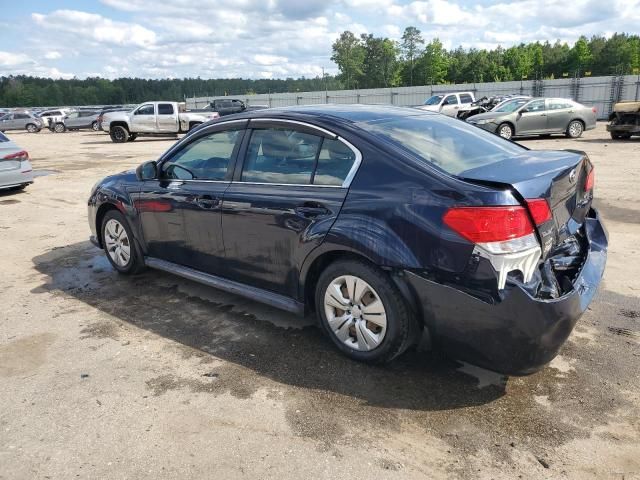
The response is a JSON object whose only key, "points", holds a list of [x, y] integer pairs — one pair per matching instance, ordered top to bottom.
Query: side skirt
{"points": [[258, 294]]}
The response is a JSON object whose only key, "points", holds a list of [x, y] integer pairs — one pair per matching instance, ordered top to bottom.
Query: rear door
{"points": [[558, 114], [144, 118], [167, 118], [532, 119], [73, 120], [284, 199], [180, 211]]}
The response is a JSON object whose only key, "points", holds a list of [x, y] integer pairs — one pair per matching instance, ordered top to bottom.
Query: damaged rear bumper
{"points": [[518, 334]]}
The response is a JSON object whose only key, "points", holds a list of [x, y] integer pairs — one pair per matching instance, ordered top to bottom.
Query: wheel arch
{"points": [[119, 123], [101, 212]]}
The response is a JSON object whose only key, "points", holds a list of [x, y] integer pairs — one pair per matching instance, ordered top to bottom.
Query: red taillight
{"points": [[594, 110], [21, 155], [590, 181], [539, 209], [489, 224]]}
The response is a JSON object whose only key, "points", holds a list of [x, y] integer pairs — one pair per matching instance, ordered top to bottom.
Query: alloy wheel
{"points": [[31, 128], [575, 129], [505, 131], [117, 242], [355, 313]]}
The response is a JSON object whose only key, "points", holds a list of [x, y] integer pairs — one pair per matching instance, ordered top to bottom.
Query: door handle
{"points": [[206, 201], [311, 210]]}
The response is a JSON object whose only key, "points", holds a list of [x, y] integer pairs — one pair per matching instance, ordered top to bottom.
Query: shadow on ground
{"points": [[270, 343]]}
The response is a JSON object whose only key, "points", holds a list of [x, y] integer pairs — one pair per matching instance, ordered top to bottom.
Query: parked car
{"points": [[448, 104], [487, 104], [229, 106], [538, 116], [52, 117], [84, 119], [152, 119], [624, 120], [20, 121], [15, 168], [384, 220]]}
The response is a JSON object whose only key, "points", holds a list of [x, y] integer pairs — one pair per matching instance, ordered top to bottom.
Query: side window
{"points": [[465, 98], [450, 100], [558, 104], [536, 106], [165, 109], [145, 110], [75, 115], [8, 116], [20, 116], [280, 156], [206, 158], [334, 163]]}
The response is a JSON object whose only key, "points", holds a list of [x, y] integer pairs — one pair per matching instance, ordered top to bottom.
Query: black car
{"points": [[386, 221]]}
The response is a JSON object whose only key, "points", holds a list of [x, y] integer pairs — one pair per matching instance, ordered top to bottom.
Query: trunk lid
{"points": [[556, 176]]}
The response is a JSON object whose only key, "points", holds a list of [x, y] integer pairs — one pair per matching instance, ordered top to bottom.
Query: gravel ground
{"points": [[158, 377]]}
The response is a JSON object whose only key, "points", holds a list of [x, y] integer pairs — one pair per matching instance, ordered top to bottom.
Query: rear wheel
{"points": [[94, 126], [31, 128], [59, 128], [575, 129], [505, 131], [119, 134], [119, 244], [363, 313]]}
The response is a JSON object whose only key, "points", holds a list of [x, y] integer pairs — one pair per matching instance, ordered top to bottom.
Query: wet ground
{"points": [[158, 377]]}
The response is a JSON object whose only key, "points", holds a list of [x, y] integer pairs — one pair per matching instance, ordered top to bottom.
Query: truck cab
{"points": [[448, 103]]}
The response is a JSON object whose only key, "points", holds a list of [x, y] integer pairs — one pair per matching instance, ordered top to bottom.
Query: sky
{"points": [[268, 38]]}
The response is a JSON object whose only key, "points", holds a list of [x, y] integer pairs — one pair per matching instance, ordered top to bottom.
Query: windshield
{"points": [[435, 100], [511, 105], [447, 143]]}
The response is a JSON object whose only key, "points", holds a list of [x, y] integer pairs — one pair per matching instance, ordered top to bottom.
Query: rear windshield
{"points": [[447, 143]]}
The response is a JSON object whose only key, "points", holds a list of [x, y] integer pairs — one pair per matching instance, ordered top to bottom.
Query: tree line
{"points": [[364, 61], [368, 61]]}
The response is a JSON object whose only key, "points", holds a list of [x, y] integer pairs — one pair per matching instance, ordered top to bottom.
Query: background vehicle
{"points": [[448, 104], [486, 104], [229, 106], [105, 110], [538, 116], [51, 117], [83, 119], [153, 119], [20, 121], [624, 121], [15, 168], [376, 217]]}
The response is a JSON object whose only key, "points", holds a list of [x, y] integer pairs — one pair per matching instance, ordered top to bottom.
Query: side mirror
{"points": [[524, 110], [147, 171]]}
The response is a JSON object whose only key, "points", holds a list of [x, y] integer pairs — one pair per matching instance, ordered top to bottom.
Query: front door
{"points": [[450, 105], [144, 119], [533, 119], [7, 122], [282, 203], [180, 211]]}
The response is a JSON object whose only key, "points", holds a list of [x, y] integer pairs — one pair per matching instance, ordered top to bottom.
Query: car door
{"points": [[450, 105], [558, 114], [144, 118], [167, 118], [532, 118], [72, 120], [20, 121], [6, 122], [283, 200], [179, 211]]}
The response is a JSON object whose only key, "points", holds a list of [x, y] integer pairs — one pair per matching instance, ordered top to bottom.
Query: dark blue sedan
{"points": [[387, 222]]}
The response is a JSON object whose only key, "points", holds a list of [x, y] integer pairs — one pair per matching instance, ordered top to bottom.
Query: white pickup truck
{"points": [[152, 119]]}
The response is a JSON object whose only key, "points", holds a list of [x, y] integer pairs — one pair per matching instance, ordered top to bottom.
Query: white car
{"points": [[448, 103], [51, 117], [15, 167]]}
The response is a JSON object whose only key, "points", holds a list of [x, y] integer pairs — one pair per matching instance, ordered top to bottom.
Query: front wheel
{"points": [[94, 126], [31, 128], [575, 129], [505, 131], [119, 134], [119, 244], [363, 313]]}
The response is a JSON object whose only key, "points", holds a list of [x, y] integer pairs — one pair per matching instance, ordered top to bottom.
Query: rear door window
{"points": [[465, 98], [558, 104], [165, 109]]}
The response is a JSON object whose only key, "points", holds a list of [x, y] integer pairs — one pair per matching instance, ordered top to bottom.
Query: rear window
{"points": [[465, 98], [444, 142]]}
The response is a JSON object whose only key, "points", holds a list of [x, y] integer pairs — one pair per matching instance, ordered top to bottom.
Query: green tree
{"points": [[411, 42], [348, 54], [580, 55], [434, 62]]}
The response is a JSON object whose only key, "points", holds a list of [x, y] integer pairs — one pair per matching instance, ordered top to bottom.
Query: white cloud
{"points": [[53, 55], [9, 59]]}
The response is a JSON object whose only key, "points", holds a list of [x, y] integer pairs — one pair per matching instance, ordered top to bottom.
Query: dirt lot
{"points": [[157, 377]]}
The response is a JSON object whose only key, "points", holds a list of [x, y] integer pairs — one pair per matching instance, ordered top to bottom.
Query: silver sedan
{"points": [[538, 116], [15, 168]]}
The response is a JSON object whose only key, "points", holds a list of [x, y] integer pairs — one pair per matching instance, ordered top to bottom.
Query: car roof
{"points": [[349, 113]]}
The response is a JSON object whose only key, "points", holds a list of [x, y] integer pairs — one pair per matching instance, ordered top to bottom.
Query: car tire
{"points": [[193, 125], [94, 126], [32, 128], [59, 128], [575, 129], [505, 131], [119, 134], [132, 137], [119, 244], [391, 327]]}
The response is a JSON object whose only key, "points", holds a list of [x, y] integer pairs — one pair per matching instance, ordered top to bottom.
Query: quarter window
{"points": [[165, 109], [281, 156], [206, 158], [334, 163]]}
